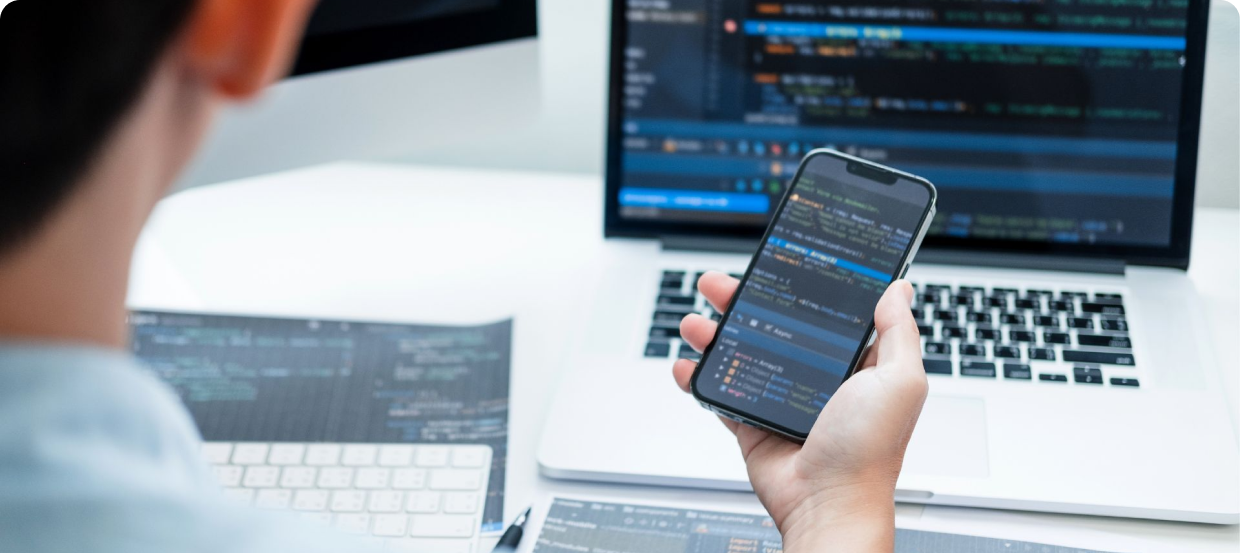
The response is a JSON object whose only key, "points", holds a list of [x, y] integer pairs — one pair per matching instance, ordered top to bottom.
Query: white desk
{"points": [[382, 242]]}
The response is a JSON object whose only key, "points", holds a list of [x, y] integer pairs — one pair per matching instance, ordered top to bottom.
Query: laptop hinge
{"points": [[709, 244], [1023, 261]]}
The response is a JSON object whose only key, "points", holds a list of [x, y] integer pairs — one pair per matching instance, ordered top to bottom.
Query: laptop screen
{"points": [[1041, 122]]}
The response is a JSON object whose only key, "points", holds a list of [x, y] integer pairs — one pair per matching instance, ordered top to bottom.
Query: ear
{"points": [[241, 46]]}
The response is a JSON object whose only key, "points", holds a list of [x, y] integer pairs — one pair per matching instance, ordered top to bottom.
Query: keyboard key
{"points": [[938, 288], [970, 289], [1003, 291], [1032, 292], [1067, 294], [1104, 297], [667, 299], [929, 299], [962, 301], [996, 301], [1026, 303], [1060, 306], [1105, 309], [946, 316], [975, 317], [1012, 319], [1046, 321], [1080, 322], [1119, 325], [927, 331], [951, 331], [663, 334], [987, 334], [1022, 336], [1056, 338], [1099, 340], [938, 348], [658, 349], [973, 350], [687, 352], [1007, 352], [1041, 354], [1100, 357], [937, 366], [977, 368], [1016, 371], [1087, 375], [1052, 378], [1115, 381], [216, 453], [249, 454], [286, 454], [323, 454], [359, 455], [395, 455], [430, 456], [470, 457], [229, 476], [261, 477], [298, 477], [335, 477], [372, 478], [409, 479], [453, 479], [243, 495], [273, 498], [311, 500], [348, 501], [386, 501], [422, 502], [460, 503], [352, 523], [391, 525], [442, 526]]}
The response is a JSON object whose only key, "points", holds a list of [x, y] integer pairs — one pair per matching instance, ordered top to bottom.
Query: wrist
{"points": [[858, 517]]}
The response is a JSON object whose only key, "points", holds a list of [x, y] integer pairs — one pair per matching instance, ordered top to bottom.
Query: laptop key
{"points": [[999, 291], [929, 299], [676, 300], [966, 301], [996, 301], [1026, 303], [1060, 306], [1102, 308], [945, 316], [668, 317], [975, 317], [1046, 321], [1080, 322], [1120, 325], [926, 331], [953, 331], [663, 333], [986, 334], [1026, 336], [1056, 338], [1121, 342], [938, 348], [658, 349], [973, 350], [687, 352], [1007, 352], [1041, 354], [1100, 357], [937, 366], [977, 368], [1018, 371], [1087, 375], [1052, 378], [1132, 382]]}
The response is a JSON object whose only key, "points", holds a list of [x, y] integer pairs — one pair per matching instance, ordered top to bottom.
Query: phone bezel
{"points": [[905, 260]]}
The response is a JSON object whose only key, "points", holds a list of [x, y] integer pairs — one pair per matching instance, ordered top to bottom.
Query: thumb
{"points": [[899, 341]]}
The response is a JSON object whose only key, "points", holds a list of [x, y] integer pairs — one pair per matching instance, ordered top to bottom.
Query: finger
{"points": [[718, 289], [698, 331], [899, 341], [682, 371]]}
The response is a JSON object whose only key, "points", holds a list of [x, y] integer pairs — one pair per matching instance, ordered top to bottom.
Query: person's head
{"points": [[123, 87]]}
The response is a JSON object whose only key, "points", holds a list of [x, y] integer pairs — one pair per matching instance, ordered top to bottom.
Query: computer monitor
{"points": [[380, 78], [1064, 127]]}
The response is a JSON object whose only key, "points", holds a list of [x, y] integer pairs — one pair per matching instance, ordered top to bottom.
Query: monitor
{"points": [[380, 78], [1049, 126]]}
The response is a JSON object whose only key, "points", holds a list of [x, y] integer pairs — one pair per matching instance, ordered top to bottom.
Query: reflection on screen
{"points": [[809, 299]]}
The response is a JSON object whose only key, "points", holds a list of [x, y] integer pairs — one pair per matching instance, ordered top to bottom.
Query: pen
{"points": [[512, 536]]}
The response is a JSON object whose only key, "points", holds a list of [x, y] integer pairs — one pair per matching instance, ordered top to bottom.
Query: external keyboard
{"points": [[1002, 333], [411, 497]]}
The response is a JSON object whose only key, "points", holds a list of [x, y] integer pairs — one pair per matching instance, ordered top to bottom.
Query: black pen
{"points": [[512, 536]]}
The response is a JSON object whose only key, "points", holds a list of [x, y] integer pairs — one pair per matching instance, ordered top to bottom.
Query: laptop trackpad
{"points": [[950, 439]]}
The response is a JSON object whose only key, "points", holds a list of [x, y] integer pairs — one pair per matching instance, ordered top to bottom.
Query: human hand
{"points": [[838, 489]]}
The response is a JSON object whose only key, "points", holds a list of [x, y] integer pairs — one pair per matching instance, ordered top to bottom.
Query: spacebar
{"points": [[1108, 358]]}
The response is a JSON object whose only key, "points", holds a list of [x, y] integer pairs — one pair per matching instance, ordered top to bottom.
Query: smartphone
{"points": [[804, 312]]}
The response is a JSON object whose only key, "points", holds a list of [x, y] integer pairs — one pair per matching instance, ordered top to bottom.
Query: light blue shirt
{"points": [[97, 455]]}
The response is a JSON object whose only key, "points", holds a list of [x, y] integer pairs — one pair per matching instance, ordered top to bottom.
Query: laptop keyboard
{"points": [[1001, 333], [411, 497]]}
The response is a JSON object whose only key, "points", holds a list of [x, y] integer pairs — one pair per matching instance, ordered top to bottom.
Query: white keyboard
{"points": [[411, 497]]}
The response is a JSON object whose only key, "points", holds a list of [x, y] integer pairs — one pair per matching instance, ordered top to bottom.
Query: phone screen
{"points": [[806, 306]]}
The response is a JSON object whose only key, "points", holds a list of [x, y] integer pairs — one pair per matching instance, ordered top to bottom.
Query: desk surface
{"points": [[417, 244]]}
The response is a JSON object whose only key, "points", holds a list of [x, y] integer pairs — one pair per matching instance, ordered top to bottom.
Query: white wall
{"points": [[568, 135]]}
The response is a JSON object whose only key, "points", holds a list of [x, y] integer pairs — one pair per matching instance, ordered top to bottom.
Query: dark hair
{"points": [[69, 70]]}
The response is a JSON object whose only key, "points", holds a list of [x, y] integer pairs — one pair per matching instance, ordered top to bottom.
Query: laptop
{"points": [[1069, 366]]}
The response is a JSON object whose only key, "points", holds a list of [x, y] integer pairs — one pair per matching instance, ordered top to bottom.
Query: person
{"points": [[103, 102]]}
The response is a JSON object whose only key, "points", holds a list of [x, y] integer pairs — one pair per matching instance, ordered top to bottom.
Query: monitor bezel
{"points": [[511, 20], [1174, 254]]}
